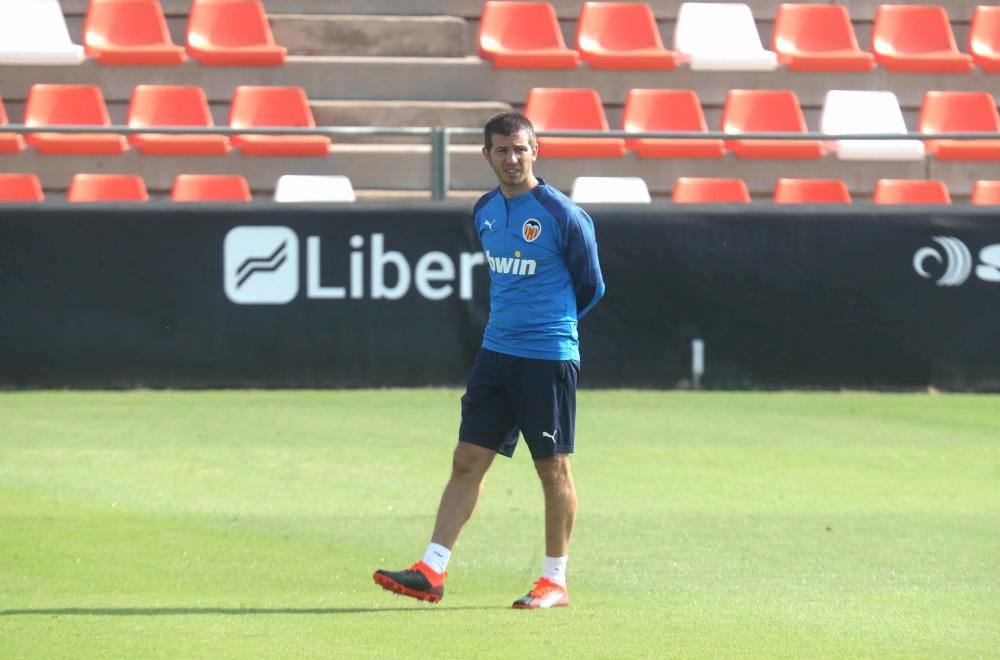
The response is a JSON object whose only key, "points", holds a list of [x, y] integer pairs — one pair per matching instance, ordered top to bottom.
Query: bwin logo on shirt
{"points": [[508, 266]]}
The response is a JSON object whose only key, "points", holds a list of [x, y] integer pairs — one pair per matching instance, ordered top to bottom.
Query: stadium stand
{"points": [[129, 32], [36, 33], [232, 33], [524, 35], [621, 35], [818, 38], [917, 38], [384, 63], [70, 105], [173, 105], [571, 109], [668, 110], [762, 111], [20, 187], [107, 188], [210, 188], [314, 188], [610, 189], [710, 190], [811, 191], [911, 191]]}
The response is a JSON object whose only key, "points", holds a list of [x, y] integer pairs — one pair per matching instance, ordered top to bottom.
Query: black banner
{"points": [[267, 295]]}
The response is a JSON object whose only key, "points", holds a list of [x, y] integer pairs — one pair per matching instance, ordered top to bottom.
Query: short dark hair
{"points": [[507, 123]]}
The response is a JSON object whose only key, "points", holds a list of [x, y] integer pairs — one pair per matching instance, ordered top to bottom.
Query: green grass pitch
{"points": [[244, 524]]}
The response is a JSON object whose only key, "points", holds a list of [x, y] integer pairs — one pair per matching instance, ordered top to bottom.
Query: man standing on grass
{"points": [[545, 276]]}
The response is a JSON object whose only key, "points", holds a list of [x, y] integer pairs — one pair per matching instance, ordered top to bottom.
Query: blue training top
{"points": [[544, 273]]}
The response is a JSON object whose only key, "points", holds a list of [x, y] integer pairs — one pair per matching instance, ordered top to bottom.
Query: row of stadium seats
{"points": [[134, 32], [724, 37], [167, 105], [646, 110], [765, 111], [23, 187], [703, 190]]}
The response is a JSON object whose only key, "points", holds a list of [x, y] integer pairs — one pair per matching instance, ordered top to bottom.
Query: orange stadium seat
{"points": [[129, 32], [232, 33], [523, 35], [621, 35], [818, 38], [916, 38], [984, 38], [70, 105], [173, 105], [275, 107], [551, 108], [668, 110], [767, 111], [960, 112], [9, 142], [20, 188], [107, 188], [210, 188], [707, 190], [811, 191], [910, 191], [985, 192]]}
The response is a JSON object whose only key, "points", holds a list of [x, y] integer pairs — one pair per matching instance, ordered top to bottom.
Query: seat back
{"points": [[124, 23], [518, 26], [616, 26], [813, 28], [912, 29], [35, 32], [721, 37], [984, 37], [68, 105], [169, 105], [270, 106], [552, 108], [766, 111], [863, 111], [957, 112], [9, 142], [20, 188], [107, 188], [210, 188], [313, 188], [610, 189], [703, 190], [811, 191], [910, 191], [985, 192]]}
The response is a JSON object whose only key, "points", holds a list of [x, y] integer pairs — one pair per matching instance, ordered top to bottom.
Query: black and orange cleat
{"points": [[418, 581], [544, 594]]}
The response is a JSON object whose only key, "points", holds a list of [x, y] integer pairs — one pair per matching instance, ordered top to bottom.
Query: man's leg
{"points": [[469, 467], [560, 503]]}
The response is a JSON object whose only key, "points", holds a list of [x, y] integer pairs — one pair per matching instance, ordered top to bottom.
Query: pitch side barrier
{"points": [[373, 295]]}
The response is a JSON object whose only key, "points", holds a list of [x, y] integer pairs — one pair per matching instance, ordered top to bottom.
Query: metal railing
{"points": [[440, 137]]}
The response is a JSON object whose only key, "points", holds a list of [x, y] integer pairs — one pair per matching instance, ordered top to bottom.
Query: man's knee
{"points": [[471, 461], [555, 471]]}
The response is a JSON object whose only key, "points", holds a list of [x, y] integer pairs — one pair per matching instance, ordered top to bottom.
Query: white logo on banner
{"points": [[956, 258], [261, 265]]}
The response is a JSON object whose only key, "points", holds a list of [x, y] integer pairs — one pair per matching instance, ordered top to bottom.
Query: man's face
{"points": [[511, 157]]}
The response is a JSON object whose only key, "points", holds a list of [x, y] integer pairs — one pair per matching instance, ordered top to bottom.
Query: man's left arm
{"points": [[582, 262]]}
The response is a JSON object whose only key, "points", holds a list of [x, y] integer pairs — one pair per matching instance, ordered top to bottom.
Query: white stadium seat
{"points": [[35, 32], [720, 37], [867, 112], [314, 188], [610, 189]]}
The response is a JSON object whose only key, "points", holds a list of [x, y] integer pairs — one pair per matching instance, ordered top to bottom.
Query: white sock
{"points": [[437, 557], [554, 569]]}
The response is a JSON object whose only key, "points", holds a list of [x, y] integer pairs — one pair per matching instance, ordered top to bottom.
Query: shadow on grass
{"points": [[228, 611]]}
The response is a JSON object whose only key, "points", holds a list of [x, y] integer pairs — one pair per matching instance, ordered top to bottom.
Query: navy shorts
{"points": [[508, 395]]}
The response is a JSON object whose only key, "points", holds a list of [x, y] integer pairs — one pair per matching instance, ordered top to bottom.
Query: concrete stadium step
{"points": [[367, 35], [470, 114]]}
